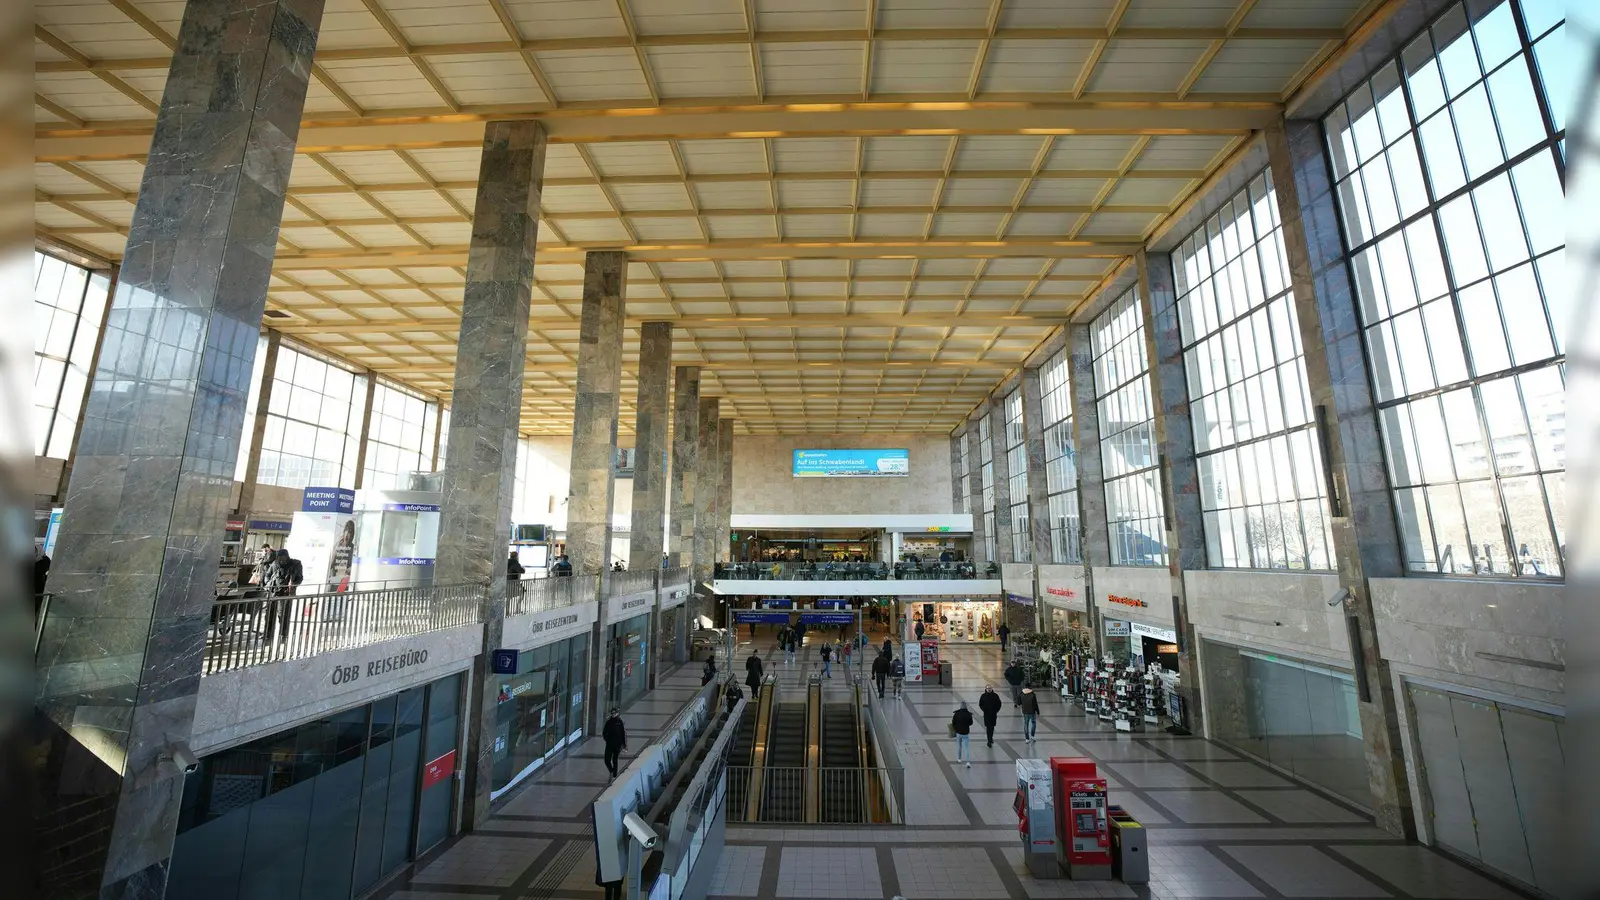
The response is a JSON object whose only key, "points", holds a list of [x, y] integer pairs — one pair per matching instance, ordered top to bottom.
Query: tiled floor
{"points": [[1220, 825]]}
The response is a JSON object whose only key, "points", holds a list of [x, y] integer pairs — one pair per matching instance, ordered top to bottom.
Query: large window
{"points": [[1450, 188], [69, 303], [313, 422], [399, 437], [1060, 459], [986, 468], [1017, 478], [1261, 483], [964, 484], [1134, 512]]}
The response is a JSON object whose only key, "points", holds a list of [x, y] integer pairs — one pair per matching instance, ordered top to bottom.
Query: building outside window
{"points": [[1449, 170], [69, 303], [313, 422], [399, 437], [444, 439], [1060, 459], [986, 473], [1261, 473], [1017, 478], [963, 483], [1134, 511]]}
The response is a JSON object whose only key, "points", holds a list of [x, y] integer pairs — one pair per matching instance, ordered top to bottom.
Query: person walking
{"points": [[514, 567], [283, 577], [920, 629], [1004, 631], [888, 647], [827, 660], [710, 671], [897, 671], [880, 672], [752, 674], [1014, 677], [989, 704], [1030, 715], [961, 730], [616, 737]]}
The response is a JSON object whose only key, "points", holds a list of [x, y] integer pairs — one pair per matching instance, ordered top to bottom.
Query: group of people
{"points": [[888, 667], [989, 706]]}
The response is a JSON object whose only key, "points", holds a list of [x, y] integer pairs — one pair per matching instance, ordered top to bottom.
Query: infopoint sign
{"points": [[851, 463]]}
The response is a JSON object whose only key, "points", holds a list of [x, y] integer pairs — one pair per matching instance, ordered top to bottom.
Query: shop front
{"points": [[1061, 592], [957, 621], [628, 643], [539, 684], [324, 810]]}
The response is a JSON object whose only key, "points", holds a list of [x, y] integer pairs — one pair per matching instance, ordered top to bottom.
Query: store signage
{"points": [[851, 463], [328, 500], [411, 507], [268, 525], [939, 528], [396, 560], [1061, 592], [1018, 598], [1126, 601], [833, 604], [619, 608], [759, 617], [827, 618], [554, 621], [1116, 628], [1160, 634], [504, 662], [385, 666], [509, 692], [438, 770]]}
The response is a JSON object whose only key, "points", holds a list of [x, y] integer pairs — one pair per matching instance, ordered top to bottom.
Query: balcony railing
{"points": [[845, 571], [675, 575], [629, 582], [524, 597], [273, 629]]}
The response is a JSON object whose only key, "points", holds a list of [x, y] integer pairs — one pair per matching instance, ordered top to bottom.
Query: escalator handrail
{"points": [[813, 737], [758, 754]]}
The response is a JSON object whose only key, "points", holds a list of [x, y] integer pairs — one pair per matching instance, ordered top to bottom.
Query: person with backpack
{"points": [[827, 660], [710, 671], [897, 671], [880, 672], [1014, 677], [989, 704], [1030, 715], [961, 730]]}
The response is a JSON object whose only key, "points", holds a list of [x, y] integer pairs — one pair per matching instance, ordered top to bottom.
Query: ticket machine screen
{"points": [[1086, 823]]}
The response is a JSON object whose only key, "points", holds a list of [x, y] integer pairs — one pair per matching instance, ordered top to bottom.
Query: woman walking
{"points": [[961, 730]]}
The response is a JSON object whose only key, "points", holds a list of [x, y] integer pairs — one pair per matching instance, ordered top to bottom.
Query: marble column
{"points": [[485, 412], [594, 413], [258, 428], [365, 436], [685, 455], [707, 476], [1180, 479], [1038, 481], [957, 486], [1094, 534], [724, 537], [646, 538], [980, 543], [1365, 543], [1004, 550], [134, 573]]}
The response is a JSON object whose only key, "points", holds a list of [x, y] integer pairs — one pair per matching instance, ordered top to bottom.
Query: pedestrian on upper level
{"points": [[514, 567]]}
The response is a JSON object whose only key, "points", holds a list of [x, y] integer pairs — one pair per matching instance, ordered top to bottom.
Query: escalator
{"points": [[747, 754], [841, 783], [783, 789]]}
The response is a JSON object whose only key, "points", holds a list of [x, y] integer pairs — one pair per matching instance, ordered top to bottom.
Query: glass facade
{"points": [[1449, 168], [69, 303], [313, 422], [399, 437], [1060, 459], [1260, 466], [986, 472], [1017, 478], [963, 482], [1134, 510], [629, 658], [539, 708], [325, 810]]}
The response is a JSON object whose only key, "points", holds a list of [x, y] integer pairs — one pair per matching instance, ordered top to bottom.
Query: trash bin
{"points": [[945, 679], [1130, 861]]}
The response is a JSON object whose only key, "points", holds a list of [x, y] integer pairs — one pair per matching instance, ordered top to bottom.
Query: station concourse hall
{"points": [[541, 449]]}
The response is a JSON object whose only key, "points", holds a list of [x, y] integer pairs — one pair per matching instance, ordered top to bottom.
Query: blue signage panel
{"points": [[851, 463], [328, 500], [411, 507], [268, 525], [396, 560], [1018, 598], [778, 603], [833, 604], [759, 617], [827, 618], [504, 662]]}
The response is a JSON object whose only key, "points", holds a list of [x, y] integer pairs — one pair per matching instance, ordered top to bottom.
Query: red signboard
{"points": [[438, 770]]}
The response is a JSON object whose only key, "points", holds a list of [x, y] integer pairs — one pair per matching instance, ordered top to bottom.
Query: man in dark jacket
{"points": [[514, 568], [283, 577], [920, 629], [1004, 632], [888, 647], [710, 671], [880, 672], [752, 676], [1014, 677], [989, 704], [1030, 715], [961, 727], [616, 738]]}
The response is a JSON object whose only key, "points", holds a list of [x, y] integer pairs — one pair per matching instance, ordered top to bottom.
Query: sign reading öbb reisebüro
{"points": [[387, 665]]}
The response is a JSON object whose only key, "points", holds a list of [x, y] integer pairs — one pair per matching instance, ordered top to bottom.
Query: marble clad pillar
{"points": [[486, 411], [594, 413], [1174, 437], [685, 454], [708, 474], [1038, 481], [957, 488], [1095, 534], [646, 538], [1365, 544], [980, 546], [724, 551], [1004, 552], [134, 573]]}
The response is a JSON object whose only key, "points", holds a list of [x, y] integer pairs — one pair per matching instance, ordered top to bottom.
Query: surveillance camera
{"points": [[1342, 596], [181, 757], [641, 831]]}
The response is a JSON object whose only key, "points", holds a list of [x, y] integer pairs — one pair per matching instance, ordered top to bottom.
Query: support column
{"points": [[486, 409], [594, 413], [258, 428], [366, 429], [685, 456], [706, 476], [1180, 480], [1038, 481], [1094, 534], [646, 538], [724, 538], [980, 544], [1365, 544], [1004, 552], [119, 664]]}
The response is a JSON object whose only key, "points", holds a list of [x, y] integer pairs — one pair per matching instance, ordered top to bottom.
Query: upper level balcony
{"points": [[856, 579]]}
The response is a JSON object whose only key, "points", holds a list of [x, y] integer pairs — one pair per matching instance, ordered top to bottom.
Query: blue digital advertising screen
{"points": [[851, 463]]}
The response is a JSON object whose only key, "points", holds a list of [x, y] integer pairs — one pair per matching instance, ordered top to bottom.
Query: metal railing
{"points": [[845, 571], [675, 575], [523, 597], [273, 629], [853, 795]]}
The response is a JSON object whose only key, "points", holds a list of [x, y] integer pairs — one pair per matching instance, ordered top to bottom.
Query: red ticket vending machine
{"points": [[930, 660], [1083, 845]]}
